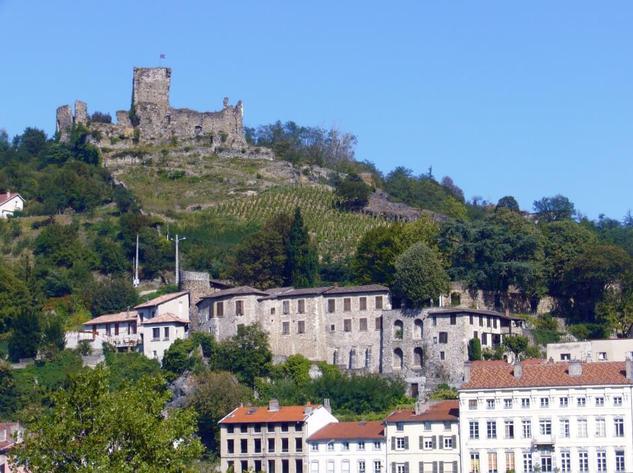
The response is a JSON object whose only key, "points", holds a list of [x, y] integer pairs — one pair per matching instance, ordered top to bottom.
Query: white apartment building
{"points": [[150, 328], [618, 349], [547, 417], [271, 439], [424, 440], [348, 447]]}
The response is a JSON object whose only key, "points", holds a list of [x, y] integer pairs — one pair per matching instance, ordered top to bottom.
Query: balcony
{"points": [[543, 441]]}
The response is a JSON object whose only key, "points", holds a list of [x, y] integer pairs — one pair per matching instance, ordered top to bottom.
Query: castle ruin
{"points": [[151, 120]]}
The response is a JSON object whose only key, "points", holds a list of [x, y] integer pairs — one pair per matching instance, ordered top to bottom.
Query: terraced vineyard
{"points": [[337, 232]]}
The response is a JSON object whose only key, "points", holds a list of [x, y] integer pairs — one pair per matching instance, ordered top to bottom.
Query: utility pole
{"points": [[177, 239], [136, 281]]}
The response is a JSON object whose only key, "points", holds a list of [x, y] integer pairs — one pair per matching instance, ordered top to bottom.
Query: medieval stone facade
{"points": [[151, 119]]}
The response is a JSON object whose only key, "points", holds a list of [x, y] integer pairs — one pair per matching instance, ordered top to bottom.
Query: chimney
{"points": [[628, 364], [467, 367], [575, 368], [518, 370], [326, 404], [273, 405], [421, 406], [307, 410]]}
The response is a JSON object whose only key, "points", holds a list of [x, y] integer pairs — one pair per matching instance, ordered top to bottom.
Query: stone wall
{"points": [[198, 285], [515, 301]]}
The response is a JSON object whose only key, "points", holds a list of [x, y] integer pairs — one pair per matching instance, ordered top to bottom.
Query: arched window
{"points": [[456, 298], [398, 329], [418, 329], [335, 357], [418, 357], [352, 359], [398, 359]]}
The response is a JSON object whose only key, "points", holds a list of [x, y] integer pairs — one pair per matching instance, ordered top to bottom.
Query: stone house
{"points": [[10, 202], [430, 346], [271, 439], [425, 439], [348, 447]]}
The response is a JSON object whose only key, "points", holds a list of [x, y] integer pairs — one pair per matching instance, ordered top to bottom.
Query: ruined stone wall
{"points": [[515, 302]]}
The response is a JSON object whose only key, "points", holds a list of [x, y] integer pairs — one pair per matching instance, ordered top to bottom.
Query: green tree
{"points": [[352, 191], [508, 202], [551, 209], [375, 257], [302, 260], [420, 277], [111, 296], [615, 309], [26, 335], [53, 335], [516, 344], [474, 349], [246, 354], [129, 367], [8, 392], [215, 394], [90, 428]]}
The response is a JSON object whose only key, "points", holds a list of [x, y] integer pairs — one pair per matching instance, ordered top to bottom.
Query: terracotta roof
{"points": [[7, 196], [354, 289], [234, 291], [161, 300], [465, 310], [110, 318], [164, 318], [540, 373], [440, 411], [247, 415], [9, 428], [350, 431]]}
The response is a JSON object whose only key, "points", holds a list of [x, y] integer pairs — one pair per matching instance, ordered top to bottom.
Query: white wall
{"points": [[13, 205], [155, 348], [342, 460]]}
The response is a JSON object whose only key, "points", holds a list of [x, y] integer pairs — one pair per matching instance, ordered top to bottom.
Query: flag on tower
{"points": [[162, 56]]}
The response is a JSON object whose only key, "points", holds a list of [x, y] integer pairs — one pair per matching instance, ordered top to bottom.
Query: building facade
{"points": [[10, 202], [591, 350], [547, 417], [271, 439], [424, 440], [348, 447]]}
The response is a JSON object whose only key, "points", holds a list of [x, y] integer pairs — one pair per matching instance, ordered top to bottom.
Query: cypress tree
{"points": [[302, 265]]}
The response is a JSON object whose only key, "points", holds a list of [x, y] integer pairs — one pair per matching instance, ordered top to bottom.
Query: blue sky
{"points": [[522, 98]]}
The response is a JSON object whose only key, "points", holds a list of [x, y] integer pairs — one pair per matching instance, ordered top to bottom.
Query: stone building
{"points": [[151, 119], [430, 346]]}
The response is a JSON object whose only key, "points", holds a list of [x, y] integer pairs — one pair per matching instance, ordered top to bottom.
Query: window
{"points": [[378, 302], [362, 303], [347, 304], [331, 305], [301, 306], [239, 307], [285, 307], [219, 309], [453, 319], [471, 319], [434, 320], [481, 321], [487, 321], [494, 322], [347, 325], [362, 325], [378, 325], [301, 326], [332, 327], [116, 328], [285, 328], [418, 329], [108, 330], [156, 333], [166, 333], [443, 337], [484, 339], [442, 355], [565, 356], [602, 356], [418, 357], [600, 401], [617, 401], [525, 402], [544, 402], [563, 402], [581, 402], [490, 403], [507, 403], [472, 404], [399, 426], [427, 426], [526, 426], [545, 426], [619, 426], [270, 427], [284, 427], [243, 428], [257, 428], [564, 428], [582, 428], [601, 428], [473, 429], [491, 429], [509, 429], [401, 443], [427, 443], [448, 443], [258, 445], [271, 445], [284, 445], [298, 445], [345, 445], [361, 445], [376, 445], [230, 446], [244, 446], [330, 446], [601, 460], [619, 460], [510, 461], [527, 461], [565, 461], [583, 461], [474, 462], [492, 462], [546, 462], [314, 465], [330, 466], [361, 466], [377, 466]]}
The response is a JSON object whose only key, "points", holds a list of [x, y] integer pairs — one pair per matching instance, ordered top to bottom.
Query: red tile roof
{"points": [[7, 196], [161, 300], [110, 318], [165, 318], [540, 373], [440, 411], [248, 415], [350, 431]]}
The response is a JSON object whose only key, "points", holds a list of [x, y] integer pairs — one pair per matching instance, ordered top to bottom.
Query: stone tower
{"points": [[150, 86]]}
